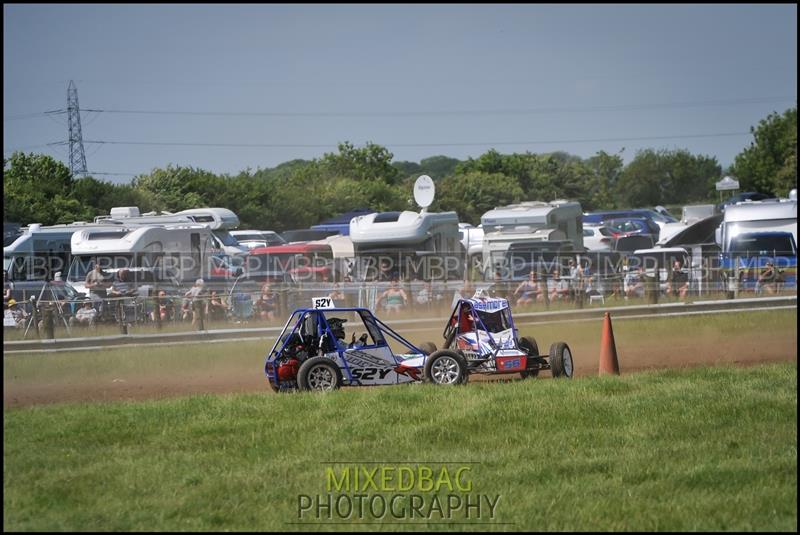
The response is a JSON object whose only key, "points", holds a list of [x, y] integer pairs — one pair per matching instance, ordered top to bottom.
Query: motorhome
{"points": [[779, 215], [219, 220], [532, 222], [753, 233], [407, 245], [42, 251], [175, 254]]}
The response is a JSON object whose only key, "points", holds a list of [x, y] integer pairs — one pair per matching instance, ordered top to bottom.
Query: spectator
{"points": [[385, 273], [95, 279], [768, 280], [678, 281], [96, 284], [634, 285], [8, 287], [121, 287], [557, 287], [592, 287], [529, 290], [337, 295], [425, 295], [395, 298], [193, 301], [267, 303], [166, 308], [216, 308], [16, 313], [86, 315]]}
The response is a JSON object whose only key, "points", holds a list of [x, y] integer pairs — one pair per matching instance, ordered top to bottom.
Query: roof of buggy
{"points": [[488, 304]]}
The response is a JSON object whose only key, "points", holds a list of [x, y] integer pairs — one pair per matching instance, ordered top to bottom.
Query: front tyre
{"points": [[528, 345], [561, 360], [445, 368], [319, 374]]}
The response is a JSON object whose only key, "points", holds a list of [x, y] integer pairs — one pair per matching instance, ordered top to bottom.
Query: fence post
{"points": [[653, 289], [545, 291], [157, 311], [200, 311], [35, 316], [49, 327], [123, 327]]}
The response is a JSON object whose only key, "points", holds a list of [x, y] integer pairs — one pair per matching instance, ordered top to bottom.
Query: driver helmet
{"points": [[337, 327]]}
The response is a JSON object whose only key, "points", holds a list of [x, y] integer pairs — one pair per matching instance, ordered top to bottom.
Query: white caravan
{"points": [[219, 220], [529, 222], [402, 240], [42, 251], [168, 254]]}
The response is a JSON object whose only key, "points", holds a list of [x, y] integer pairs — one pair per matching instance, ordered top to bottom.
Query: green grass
{"points": [[699, 449]]}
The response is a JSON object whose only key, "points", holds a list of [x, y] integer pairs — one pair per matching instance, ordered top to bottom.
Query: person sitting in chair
{"points": [[17, 313], [86, 315]]}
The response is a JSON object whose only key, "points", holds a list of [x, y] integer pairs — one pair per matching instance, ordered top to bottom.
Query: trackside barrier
{"points": [[520, 319]]}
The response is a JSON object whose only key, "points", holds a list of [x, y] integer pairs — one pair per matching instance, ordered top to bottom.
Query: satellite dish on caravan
{"points": [[424, 192]]}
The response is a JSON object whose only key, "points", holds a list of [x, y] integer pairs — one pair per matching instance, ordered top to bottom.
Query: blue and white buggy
{"points": [[481, 336], [314, 353]]}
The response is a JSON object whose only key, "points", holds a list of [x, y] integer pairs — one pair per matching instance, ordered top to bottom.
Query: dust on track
{"points": [[684, 352]]}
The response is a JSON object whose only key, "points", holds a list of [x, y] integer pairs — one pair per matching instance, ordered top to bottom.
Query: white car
{"points": [[257, 238], [597, 238]]}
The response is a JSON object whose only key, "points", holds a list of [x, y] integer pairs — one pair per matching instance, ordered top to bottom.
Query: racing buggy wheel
{"points": [[561, 360], [446, 367], [319, 374]]}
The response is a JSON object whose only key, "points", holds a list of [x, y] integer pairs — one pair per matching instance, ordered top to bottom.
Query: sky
{"points": [[228, 88]]}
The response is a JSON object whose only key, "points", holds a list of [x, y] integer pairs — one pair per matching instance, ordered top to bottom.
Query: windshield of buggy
{"points": [[497, 321]]}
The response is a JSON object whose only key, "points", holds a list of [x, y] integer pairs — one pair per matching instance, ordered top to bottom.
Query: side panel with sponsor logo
{"points": [[374, 366]]}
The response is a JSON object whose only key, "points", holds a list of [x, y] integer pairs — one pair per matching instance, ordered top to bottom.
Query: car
{"points": [[597, 218], [632, 226], [257, 238], [597, 238], [62, 294], [480, 337]]}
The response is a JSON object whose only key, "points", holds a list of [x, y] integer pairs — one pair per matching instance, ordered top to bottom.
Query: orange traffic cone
{"points": [[608, 349]]}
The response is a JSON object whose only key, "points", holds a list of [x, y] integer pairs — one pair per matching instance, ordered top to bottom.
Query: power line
{"points": [[508, 111], [514, 111], [34, 115], [466, 144]]}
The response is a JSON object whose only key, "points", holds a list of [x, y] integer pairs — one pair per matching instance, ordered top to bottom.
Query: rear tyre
{"points": [[528, 345], [428, 347], [561, 360], [445, 367], [319, 374]]}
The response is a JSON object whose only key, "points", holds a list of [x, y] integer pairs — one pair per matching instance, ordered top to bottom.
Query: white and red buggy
{"points": [[480, 337]]}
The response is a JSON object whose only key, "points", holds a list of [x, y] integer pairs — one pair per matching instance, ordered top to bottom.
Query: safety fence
{"points": [[40, 315]]}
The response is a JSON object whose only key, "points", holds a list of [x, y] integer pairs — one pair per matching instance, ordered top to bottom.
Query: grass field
{"points": [[708, 448]]}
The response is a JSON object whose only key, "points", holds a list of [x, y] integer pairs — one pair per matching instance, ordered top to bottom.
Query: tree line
{"points": [[301, 193]]}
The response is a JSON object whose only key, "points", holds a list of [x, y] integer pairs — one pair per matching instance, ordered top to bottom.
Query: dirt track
{"points": [[683, 351]]}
